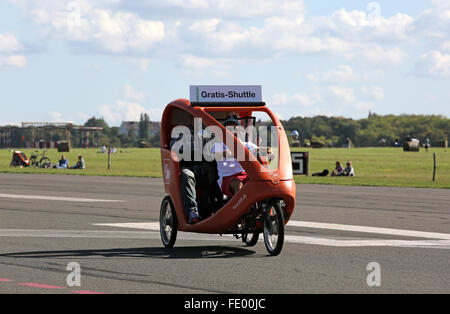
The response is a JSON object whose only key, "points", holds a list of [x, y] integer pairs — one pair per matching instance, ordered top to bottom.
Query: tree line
{"points": [[333, 131], [372, 131], [111, 137]]}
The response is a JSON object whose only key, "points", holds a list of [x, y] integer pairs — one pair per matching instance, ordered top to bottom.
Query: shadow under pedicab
{"points": [[191, 252]]}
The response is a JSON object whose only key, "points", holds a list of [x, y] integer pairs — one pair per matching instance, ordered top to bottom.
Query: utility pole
{"points": [[109, 157], [434, 167]]}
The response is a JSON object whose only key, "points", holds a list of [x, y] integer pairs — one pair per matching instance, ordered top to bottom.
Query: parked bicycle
{"points": [[40, 160]]}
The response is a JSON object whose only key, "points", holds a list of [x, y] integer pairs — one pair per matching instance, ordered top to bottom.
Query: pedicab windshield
{"points": [[255, 130]]}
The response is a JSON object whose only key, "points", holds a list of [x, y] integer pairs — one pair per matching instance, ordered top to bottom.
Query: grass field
{"points": [[130, 162], [373, 166], [381, 167]]}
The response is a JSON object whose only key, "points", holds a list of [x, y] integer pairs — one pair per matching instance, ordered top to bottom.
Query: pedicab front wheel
{"points": [[168, 224], [274, 228]]}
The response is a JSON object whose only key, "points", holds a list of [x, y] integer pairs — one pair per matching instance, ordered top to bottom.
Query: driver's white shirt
{"points": [[229, 166]]}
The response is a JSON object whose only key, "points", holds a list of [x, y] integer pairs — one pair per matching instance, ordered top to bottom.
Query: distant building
{"points": [[128, 126], [155, 127]]}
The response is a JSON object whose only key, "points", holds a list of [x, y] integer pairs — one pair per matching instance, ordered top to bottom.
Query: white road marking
{"points": [[58, 198], [306, 224], [154, 226], [374, 230], [39, 233], [106, 234], [184, 236], [440, 240], [366, 242]]}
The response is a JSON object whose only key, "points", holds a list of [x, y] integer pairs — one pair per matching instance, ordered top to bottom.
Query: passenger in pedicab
{"points": [[188, 170], [195, 176], [232, 176]]}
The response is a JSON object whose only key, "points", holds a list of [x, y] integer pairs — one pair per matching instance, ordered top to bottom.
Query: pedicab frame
{"points": [[275, 185]]}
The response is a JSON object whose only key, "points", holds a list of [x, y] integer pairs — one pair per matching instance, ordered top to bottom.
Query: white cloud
{"points": [[441, 4], [231, 9], [93, 23], [433, 23], [359, 25], [206, 29], [350, 34], [215, 35], [9, 44], [446, 45], [379, 55], [18, 61], [196, 63], [139, 64], [434, 64], [198, 66], [342, 74], [312, 77], [374, 92], [131, 93], [343, 94], [298, 99], [303, 100], [363, 105], [128, 109], [121, 111], [58, 117], [82, 117]]}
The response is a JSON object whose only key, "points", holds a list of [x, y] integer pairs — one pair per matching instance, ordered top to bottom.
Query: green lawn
{"points": [[130, 162], [373, 166], [381, 167]]}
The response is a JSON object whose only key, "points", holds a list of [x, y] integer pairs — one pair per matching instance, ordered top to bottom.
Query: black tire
{"points": [[33, 162], [45, 163], [168, 223], [274, 228], [252, 240]]}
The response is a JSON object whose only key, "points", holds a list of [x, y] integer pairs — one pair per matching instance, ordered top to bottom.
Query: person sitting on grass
{"points": [[63, 163], [80, 163], [338, 171], [349, 171], [324, 173]]}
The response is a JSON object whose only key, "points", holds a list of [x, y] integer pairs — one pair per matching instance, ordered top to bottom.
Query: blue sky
{"points": [[66, 61]]}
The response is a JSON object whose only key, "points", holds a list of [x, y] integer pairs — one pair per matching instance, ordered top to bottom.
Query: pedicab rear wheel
{"points": [[168, 223], [273, 228], [250, 239]]}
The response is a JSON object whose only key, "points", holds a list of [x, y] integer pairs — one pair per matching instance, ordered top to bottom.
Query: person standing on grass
{"points": [[427, 143]]}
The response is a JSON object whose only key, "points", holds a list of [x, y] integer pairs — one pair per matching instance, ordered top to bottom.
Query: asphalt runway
{"points": [[109, 227]]}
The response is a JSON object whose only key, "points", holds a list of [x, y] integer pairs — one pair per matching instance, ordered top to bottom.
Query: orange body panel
{"points": [[263, 184]]}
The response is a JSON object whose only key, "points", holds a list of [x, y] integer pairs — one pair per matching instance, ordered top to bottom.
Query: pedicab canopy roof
{"points": [[226, 95]]}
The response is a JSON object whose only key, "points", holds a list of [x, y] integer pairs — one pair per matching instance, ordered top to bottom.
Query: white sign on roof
{"points": [[226, 93]]}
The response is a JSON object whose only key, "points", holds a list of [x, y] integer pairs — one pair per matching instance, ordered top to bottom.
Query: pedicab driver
{"points": [[232, 176]]}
